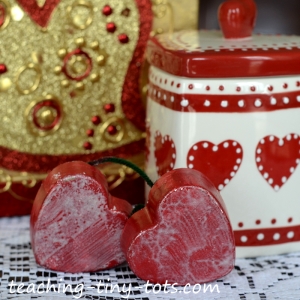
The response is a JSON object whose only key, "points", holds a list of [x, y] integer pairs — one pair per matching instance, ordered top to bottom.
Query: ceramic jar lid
{"points": [[207, 54]]}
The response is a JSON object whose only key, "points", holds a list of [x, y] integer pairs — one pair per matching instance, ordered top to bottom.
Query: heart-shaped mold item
{"points": [[164, 152], [277, 159], [218, 162], [75, 224], [183, 235]]}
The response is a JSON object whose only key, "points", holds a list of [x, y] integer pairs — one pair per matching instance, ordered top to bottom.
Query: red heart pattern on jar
{"points": [[164, 152], [277, 159], [219, 163]]}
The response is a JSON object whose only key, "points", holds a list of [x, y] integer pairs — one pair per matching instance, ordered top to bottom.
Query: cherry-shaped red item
{"points": [[237, 18], [76, 225], [183, 235]]}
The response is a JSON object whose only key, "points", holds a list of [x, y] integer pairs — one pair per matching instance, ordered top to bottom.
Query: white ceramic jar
{"points": [[231, 109]]}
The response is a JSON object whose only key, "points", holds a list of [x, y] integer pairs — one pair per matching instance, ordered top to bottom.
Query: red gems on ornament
{"points": [[107, 10], [111, 27], [123, 38], [3, 68], [298, 83], [285, 86], [207, 88], [221, 88], [253, 88], [270, 88], [238, 89], [109, 108], [96, 120], [112, 130], [90, 132], [87, 146]]}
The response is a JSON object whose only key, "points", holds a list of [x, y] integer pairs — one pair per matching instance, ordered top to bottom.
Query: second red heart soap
{"points": [[76, 225], [183, 235]]}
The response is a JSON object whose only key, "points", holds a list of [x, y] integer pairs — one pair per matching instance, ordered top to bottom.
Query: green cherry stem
{"points": [[123, 162]]}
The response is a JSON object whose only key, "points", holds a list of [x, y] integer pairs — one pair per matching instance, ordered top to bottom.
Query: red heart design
{"points": [[40, 15], [237, 18], [165, 153], [277, 159], [218, 162], [75, 224], [183, 235]]}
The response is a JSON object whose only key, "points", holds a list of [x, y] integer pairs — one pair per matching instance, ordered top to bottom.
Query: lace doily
{"points": [[273, 277]]}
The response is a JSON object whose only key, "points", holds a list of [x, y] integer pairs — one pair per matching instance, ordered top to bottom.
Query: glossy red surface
{"points": [[237, 18], [224, 63], [277, 158], [217, 162], [75, 224], [183, 235]]}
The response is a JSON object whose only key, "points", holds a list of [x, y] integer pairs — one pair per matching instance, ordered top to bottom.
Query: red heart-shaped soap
{"points": [[75, 224], [183, 235]]}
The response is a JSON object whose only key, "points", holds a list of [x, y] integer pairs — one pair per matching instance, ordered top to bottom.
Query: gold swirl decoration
{"points": [[80, 58], [60, 85]]}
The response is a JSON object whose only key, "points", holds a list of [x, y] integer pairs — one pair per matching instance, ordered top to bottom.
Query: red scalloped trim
{"points": [[131, 99]]}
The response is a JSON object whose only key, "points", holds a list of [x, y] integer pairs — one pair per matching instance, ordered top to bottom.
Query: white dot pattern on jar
{"points": [[286, 100], [184, 103], [206, 103], [224, 103], [241, 103], [258, 103], [260, 236], [244, 239]]}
